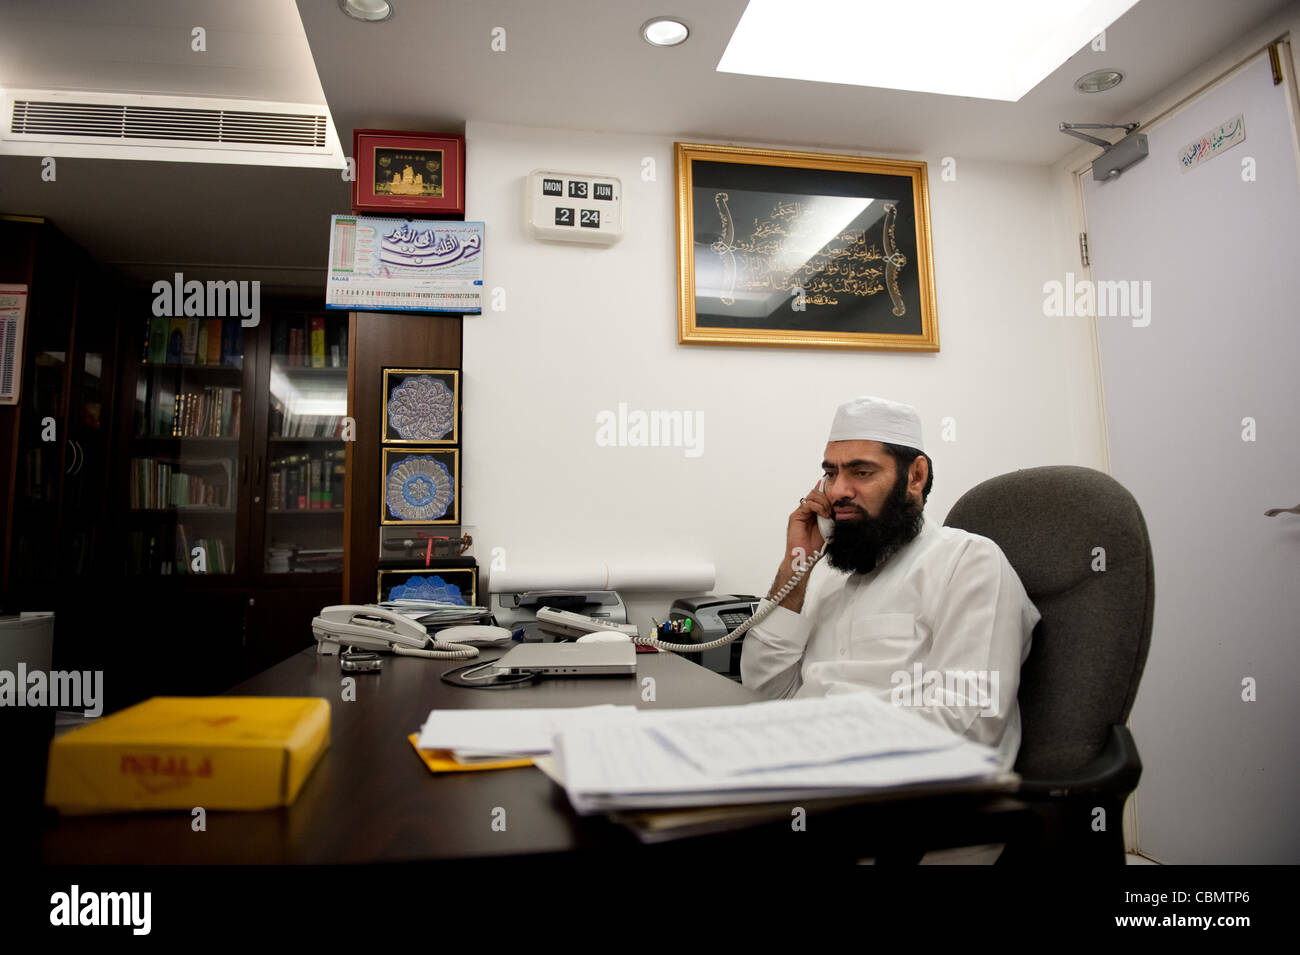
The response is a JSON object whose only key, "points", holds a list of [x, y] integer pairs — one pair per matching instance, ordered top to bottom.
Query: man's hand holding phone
{"points": [[812, 523], [807, 531]]}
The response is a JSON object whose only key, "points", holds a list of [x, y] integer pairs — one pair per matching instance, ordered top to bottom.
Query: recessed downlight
{"points": [[371, 11], [665, 31], [1098, 81]]}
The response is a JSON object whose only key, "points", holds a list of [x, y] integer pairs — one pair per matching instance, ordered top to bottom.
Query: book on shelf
{"points": [[232, 337], [176, 340], [191, 340], [209, 342], [318, 342], [156, 351], [213, 356], [210, 413], [285, 424], [302, 466], [307, 482], [160, 484], [315, 492], [145, 554], [215, 556], [284, 557]]}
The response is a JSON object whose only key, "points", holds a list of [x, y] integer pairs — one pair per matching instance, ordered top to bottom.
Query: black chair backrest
{"points": [[1056, 526]]}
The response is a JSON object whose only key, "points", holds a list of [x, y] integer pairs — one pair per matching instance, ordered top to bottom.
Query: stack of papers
{"points": [[432, 612], [489, 735], [760, 752], [611, 758]]}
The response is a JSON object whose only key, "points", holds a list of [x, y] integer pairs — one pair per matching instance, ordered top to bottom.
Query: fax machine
{"points": [[516, 610], [713, 616]]}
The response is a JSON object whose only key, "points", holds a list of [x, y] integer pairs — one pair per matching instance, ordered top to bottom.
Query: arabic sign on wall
{"points": [[1224, 136], [405, 265]]}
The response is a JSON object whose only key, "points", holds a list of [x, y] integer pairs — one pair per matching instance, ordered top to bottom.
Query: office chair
{"points": [[1078, 683]]}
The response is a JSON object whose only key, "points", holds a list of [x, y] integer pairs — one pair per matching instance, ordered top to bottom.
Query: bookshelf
{"points": [[307, 402], [183, 453], [233, 458]]}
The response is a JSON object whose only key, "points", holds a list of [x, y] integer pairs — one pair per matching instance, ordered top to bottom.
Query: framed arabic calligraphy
{"points": [[411, 173], [803, 250], [421, 406], [420, 486]]}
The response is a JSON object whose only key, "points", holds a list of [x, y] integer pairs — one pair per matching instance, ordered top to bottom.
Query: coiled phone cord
{"points": [[740, 631], [443, 651]]}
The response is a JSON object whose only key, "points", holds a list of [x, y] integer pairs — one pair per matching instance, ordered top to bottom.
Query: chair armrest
{"points": [[1115, 771]]}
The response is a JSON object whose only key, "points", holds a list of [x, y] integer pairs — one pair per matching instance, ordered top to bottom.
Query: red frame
{"points": [[364, 142]]}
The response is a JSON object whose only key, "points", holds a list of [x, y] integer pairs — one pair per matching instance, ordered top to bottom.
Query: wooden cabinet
{"points": [[380, 340], [57, 439], [233, 465], [230, 481], [186, 508]]}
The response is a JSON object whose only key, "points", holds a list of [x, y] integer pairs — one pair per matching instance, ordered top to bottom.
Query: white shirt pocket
{"points": [[887, 639]]}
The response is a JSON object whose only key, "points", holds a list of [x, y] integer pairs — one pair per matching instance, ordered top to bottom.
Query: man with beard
{"points": [[925, 616]]}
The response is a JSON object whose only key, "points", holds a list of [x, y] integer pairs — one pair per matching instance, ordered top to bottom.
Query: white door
{"points": [[1221, 251]]}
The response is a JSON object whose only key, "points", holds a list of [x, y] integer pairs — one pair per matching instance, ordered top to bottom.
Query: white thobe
{"points": [[942, 627]]}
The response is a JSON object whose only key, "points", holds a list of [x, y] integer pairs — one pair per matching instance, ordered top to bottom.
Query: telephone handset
{"points": [[825, 524], [827, 528], [378, 628]]}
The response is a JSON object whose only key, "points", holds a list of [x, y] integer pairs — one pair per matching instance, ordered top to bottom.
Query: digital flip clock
{"points": [[574, 206]]}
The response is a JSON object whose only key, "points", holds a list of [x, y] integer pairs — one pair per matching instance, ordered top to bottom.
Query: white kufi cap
{"points": [[877, 419]]}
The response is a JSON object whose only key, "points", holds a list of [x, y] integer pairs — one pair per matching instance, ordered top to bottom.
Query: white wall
{"points": [[586, 328]]}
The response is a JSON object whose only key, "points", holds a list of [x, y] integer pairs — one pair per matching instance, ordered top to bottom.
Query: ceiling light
{"points": [[370, 10], [664, 31], [995, 49], [1098, 81]]}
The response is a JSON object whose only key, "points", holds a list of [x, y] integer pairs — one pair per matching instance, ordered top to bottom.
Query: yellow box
{"points": [[216, 752]]}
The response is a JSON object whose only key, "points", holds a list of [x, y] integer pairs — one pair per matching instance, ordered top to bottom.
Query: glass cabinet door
{"points": [[307, 402], [90, 406], [44, 454], [184, 454]]}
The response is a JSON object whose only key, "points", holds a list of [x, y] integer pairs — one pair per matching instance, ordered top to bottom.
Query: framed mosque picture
{"points": [[398, 171], [803, 250], [420, 486]]}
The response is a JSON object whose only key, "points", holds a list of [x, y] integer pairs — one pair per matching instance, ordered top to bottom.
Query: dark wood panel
{"points": [[17, 253], [378, 340], [278, 622]]}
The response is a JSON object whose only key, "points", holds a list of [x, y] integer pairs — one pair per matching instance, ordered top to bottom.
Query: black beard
{"points": [[860, 545]]}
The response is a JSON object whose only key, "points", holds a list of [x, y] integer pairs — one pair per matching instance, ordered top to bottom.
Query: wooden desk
{"points": [[370, 799]]}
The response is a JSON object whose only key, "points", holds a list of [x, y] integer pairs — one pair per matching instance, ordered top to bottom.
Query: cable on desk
{"points": [[461, 677]]}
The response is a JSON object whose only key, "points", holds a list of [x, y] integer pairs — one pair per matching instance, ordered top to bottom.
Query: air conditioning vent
{"points": [[110, 121], [166, 128]]}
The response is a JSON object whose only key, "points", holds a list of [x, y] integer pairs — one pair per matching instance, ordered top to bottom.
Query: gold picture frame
{"points": [[803, 250], [412, 425], [419, 485], [463, 575]]}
